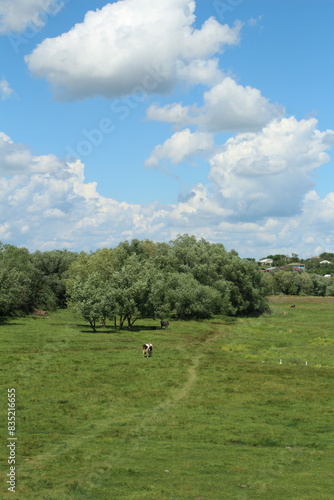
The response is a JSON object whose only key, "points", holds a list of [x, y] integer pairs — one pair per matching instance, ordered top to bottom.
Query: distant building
{"points": [[266, 261], [325, 262], [297, 266], [328, 276]]}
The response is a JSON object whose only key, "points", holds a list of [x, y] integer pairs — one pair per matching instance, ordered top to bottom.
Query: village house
{"points": [[297, 266]]}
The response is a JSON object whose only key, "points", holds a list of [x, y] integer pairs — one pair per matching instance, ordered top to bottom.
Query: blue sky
{"points": [[140, 119]]}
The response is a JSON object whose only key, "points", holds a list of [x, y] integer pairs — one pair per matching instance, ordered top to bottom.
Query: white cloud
{"points": [[15, 15], [116, 49], [205, 72], [5, 90], [227, 107], [174, 113], [181, 146], [18, 159], [268, 173], [46, 203], [53, 206], [61, 207], [320, 212], [4, 231]]}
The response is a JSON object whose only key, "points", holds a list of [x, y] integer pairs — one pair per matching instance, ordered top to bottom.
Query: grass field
{"points": [[213, 415]]}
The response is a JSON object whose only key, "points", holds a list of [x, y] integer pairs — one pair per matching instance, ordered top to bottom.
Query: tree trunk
{"points": [[133, 321], [121, 322], [93, 324]]}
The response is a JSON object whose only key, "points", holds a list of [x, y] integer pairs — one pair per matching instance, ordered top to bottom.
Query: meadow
{"points": [[226, 409]]}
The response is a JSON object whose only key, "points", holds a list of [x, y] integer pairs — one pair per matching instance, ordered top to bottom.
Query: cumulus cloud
{"points": [[15, 15], [117, 49], [205, 72], [5, 90], [227, 107], [174, 113], [181, 146], [18, 159], [268, 173], [46, 203], [49, 210]]}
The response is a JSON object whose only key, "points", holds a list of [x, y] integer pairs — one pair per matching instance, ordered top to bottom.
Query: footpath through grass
{"points": [[224, 410]]}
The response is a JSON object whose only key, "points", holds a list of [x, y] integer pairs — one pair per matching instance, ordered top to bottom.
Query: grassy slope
{"points": [[211, 415]]}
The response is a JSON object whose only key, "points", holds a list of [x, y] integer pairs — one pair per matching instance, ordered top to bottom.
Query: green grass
{"points": [[212, 415]]}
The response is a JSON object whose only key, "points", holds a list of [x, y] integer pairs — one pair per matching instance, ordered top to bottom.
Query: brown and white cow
{"points": [[147, 350]]}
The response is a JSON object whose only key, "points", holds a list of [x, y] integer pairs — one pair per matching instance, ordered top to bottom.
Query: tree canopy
{"points": [[185, 279], [29, 281]]}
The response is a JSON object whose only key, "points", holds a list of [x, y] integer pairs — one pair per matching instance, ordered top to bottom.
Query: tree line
{"points": [[187, 278], [184, 279], [31, 281], [312, 281], [290, 282]]}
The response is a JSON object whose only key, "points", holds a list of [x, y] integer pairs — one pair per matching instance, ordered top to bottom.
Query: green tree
{"points": [[103, 262], [53, 268], [186, 278], [19, 281], [240, 282], [288, 282], [270, 284], [306, 284], [319, 285], [330, 288], [132, 290], [15, 292], [124, 292], [186, 298], [93, 300]]}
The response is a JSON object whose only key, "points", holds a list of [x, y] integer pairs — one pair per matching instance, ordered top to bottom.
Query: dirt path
{"points": [[181, 393], [145, 421]]}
